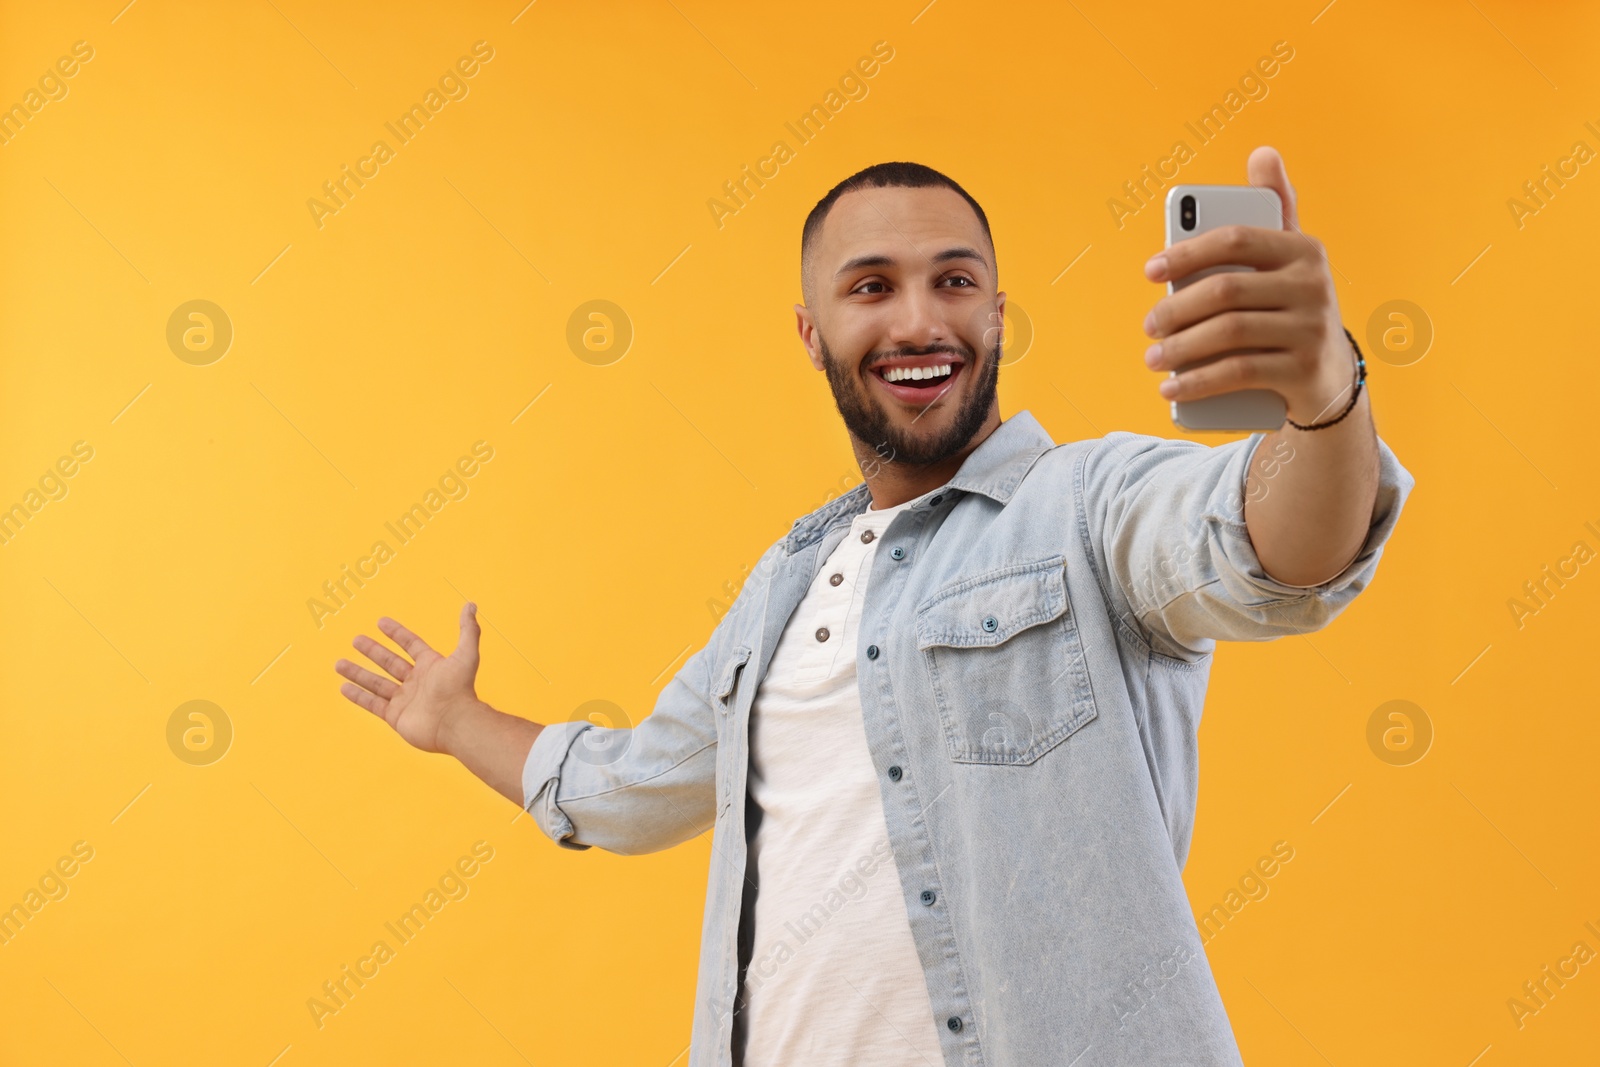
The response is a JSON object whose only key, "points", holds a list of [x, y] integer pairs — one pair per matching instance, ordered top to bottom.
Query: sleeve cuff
{"points": [[1394, 485], [541, 778]]}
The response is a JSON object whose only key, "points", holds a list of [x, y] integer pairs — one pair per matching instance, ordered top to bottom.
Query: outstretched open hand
{"points": [[418, 697]]}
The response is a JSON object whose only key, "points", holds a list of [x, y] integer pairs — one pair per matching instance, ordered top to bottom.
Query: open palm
{"points": [[417, 696]]}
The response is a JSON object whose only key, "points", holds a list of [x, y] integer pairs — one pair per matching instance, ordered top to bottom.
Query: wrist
{"points": [[1335, 395], [459, 720]]}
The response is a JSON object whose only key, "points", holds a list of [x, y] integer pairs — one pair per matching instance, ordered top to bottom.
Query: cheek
{"points": [[849, 354]]}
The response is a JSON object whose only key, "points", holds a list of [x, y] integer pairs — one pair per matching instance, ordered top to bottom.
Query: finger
{"points": [[1265, 170], [1248, 246], [1234, 290], [1225, 333], [1257, 370], [403, 637], [467, 644], [390, 661], [366, 679], [357, 695]]}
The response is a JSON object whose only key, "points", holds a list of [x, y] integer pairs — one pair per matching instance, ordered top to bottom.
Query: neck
{"points": [[893, 481]]}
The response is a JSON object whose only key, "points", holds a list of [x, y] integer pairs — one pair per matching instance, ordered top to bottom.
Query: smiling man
{"points": [[946, 738]]}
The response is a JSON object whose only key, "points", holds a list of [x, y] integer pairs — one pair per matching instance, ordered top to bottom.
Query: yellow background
{"points": [[370, 353]]}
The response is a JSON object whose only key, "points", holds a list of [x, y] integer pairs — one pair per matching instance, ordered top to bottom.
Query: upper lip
{"points": [[938, 359]]}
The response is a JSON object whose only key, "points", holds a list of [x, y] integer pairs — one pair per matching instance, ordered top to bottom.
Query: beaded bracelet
{"points": [[1361, 377]]}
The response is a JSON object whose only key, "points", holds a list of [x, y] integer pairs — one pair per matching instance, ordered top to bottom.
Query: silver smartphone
{"points": [[1191, 211]]}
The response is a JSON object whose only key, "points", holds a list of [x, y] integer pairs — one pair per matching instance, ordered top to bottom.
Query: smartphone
{"points": [[1191, 211]]}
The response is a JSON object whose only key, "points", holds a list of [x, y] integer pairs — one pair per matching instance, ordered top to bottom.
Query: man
{"points": [[946, 735]]}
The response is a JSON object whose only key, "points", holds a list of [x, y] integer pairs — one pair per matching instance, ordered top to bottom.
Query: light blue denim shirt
{"points": [[1033, 659]]}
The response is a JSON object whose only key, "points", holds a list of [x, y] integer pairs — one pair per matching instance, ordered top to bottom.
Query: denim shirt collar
{"points": [[995, 468]]}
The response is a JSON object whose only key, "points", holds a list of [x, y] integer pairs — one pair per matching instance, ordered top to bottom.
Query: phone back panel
{"points": [[1224, 205]]}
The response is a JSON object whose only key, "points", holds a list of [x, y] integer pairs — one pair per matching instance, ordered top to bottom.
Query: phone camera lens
{"points": [[1186, 212]]}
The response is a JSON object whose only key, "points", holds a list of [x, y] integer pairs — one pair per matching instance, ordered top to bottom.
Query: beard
{"points": [[872, 424]]}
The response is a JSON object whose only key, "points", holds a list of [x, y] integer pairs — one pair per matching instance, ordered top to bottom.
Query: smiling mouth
{"points": [[921, 380]]}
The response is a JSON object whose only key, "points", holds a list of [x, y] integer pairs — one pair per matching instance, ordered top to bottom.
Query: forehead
{"points": [[899, 222]]}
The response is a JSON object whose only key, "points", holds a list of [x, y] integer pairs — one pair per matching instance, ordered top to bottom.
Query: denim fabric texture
{"points": [[1032, 672]]}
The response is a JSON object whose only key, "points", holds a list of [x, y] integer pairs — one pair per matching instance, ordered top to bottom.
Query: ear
{"points": [[1265, 168], [808, 334]]}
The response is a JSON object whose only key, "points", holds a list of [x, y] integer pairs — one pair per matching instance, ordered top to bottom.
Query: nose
{"points": [[919, 320]]}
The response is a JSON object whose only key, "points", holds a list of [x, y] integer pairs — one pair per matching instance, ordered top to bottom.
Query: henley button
{"points": [[867, 536], [835, 579], [822, 633], [872, 651], [895, 772], [927, 896]]}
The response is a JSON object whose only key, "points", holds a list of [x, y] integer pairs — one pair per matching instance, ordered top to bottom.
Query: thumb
{"points": [[1265, 169], [467, 646]]}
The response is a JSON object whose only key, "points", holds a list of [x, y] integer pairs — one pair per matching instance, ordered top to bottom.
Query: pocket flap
{"points": [[989, 609], [727, 678]]}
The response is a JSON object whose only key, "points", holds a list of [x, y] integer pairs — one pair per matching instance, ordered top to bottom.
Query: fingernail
{"points": [[1156, 269], [1150, 324], [1152, 356], [1168, 387]]}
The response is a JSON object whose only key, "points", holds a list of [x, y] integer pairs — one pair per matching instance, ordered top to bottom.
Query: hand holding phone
{"points": [[1191, 211]]}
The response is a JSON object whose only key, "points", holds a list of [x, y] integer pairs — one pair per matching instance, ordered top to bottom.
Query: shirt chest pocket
{"points": [[1006, 663], [723, 689], [725, 696]]}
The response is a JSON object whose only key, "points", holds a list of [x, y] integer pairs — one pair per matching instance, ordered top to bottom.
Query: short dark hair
{"points": [[879, 176]]}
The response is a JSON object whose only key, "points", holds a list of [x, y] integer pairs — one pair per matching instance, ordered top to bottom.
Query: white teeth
{"points": [[902, 374]]}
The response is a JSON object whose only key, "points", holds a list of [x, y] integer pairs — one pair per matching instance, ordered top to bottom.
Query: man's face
{"points": [[904, 279]]}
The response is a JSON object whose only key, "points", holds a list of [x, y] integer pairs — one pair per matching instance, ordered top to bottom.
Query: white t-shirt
{"points": [[833, 977]]}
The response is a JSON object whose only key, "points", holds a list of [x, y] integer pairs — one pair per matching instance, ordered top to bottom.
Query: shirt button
{"points": [[933, 502], [867, 536], [897, 552], [835, 579], [990, 623], [822, 633], [872, 651], [895, 772], [927, 896], [954, 1023]]}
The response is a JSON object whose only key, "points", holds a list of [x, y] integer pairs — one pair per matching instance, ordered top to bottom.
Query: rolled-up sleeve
{"points": [[1163, 520], [630, 790]]}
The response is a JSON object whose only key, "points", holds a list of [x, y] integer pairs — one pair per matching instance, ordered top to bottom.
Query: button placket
{"points": [[833, 605], [897, 772]]}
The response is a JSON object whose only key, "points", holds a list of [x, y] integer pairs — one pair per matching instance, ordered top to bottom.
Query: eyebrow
{"points": [[880, 260]]}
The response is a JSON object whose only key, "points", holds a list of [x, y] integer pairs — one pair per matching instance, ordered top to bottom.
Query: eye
{"points": [[961, 278], [863, 285]]}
